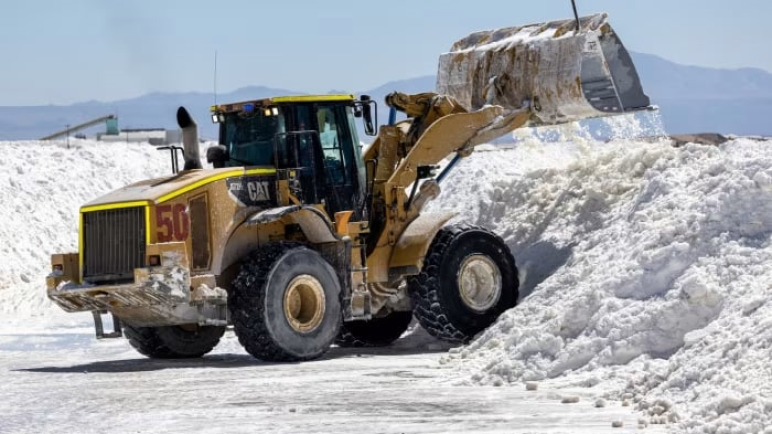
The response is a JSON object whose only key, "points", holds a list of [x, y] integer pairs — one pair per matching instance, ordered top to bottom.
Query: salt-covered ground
{"points": [[645, 278], [57, 379]]}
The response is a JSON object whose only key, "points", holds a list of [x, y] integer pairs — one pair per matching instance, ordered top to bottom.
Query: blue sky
{"points": [[59, 52]]}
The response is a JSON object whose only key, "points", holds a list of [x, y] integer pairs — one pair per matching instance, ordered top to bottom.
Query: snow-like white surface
{"points": [[645, 268], [645, 276], [57, 379]]}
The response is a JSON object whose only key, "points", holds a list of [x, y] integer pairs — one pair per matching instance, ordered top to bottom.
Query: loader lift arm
{"points": [[437, 127]]}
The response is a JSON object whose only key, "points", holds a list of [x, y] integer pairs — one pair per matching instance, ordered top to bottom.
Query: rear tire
{"points": [[468, 279], [285, 303], [377, 332], [173, 342]]}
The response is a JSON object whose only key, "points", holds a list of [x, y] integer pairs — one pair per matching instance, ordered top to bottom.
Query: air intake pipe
{"points": [[190, 150]]}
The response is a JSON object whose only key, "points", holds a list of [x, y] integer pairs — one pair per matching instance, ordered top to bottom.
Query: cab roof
{"points": [[279, 100]]}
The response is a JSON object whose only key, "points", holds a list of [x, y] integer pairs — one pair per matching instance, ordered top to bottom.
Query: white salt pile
{"points": [[42, 186], [646, 271]]}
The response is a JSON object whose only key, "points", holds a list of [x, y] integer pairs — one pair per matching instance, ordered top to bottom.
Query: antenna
{"points": [[576, 14], [215, 77]]}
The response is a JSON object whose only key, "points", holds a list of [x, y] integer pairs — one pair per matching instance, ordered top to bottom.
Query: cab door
{"points": [[341, 158]]}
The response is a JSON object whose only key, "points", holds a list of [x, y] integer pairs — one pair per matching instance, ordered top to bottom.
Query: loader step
{"points": [[100, 329]]}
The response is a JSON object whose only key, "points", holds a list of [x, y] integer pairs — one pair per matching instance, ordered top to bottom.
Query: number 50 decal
{"points": [[172, 223]]}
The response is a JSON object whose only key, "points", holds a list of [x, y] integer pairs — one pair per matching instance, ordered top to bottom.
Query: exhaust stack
{"points": [[190, 151]]}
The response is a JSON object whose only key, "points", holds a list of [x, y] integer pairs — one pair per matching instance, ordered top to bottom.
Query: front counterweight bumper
{"points": [[159, 296]]}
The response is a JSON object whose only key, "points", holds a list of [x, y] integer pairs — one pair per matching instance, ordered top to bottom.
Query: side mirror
{"points": [[367, 114], [217, 156]]}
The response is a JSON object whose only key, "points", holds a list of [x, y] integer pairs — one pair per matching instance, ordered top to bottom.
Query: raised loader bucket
{"points": [[562, 73]]}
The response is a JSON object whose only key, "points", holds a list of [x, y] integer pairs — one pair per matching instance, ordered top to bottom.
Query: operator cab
{"points": [[312, 136]]}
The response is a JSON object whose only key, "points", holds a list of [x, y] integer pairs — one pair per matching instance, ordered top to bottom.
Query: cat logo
{"points": [[251, 190], [258, 190]]}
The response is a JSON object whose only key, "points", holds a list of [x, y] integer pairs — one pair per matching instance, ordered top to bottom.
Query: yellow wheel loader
{"points": [[298, 239]]}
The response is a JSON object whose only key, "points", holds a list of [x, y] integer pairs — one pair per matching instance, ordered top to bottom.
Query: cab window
{"points": [[250, 138], [330, 138]]}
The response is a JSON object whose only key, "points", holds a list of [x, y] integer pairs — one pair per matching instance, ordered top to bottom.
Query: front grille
{"points": [[113, 244]]}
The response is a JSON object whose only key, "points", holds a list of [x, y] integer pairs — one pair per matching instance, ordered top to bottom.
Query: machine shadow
{"points": [[229, 361]]}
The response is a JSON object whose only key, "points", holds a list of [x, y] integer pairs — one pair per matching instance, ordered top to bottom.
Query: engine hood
{"points": [[160, 190]]}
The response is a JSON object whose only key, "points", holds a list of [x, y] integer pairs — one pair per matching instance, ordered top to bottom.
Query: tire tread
{"points": [[424, 289]]}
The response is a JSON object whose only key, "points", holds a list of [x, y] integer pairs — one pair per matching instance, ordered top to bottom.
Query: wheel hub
{"points": [[479, 282], [304, 303]]}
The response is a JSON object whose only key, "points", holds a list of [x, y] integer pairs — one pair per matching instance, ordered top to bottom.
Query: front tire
{"points": [[468, 279], [285, 303], [377, 332], [173, 342]]}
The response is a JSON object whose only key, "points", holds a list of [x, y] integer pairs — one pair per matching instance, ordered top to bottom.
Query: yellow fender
{"points": [[256, 228], [407, 258]]}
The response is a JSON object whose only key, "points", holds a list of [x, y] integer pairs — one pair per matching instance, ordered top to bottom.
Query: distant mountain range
{"points": [[692, 99]]}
